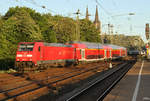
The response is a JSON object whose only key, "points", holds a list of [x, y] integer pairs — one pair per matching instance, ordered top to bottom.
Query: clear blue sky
{"points": [[107, 8]]}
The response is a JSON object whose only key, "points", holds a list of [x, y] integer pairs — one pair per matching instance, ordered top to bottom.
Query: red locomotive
{"points": [[39, 55]]}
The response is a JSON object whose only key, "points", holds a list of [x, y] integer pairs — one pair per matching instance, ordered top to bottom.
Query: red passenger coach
{"points": [[86, 51], [116, 51]]}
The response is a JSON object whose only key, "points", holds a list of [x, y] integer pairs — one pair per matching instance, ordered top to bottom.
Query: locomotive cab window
{"points": [[26, 47]]}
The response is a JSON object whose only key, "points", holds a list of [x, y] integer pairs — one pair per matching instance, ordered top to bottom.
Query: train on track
{"points": [[40, 55]]}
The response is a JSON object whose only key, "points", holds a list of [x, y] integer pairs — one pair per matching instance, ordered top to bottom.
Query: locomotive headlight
{"points": [[19, 55], [29, 55]]}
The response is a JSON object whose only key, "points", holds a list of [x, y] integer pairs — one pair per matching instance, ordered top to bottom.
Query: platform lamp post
{"points": [[126, 14], [131, 14], [110, 27]]}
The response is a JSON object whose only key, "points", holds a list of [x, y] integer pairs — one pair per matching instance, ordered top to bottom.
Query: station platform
{"points": [[134, 86]]}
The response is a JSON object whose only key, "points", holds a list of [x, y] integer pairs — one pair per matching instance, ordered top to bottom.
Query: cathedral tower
{"points": [[97, 21]]}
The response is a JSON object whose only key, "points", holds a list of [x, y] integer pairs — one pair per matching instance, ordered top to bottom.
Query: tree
{"points": [[1, 21], [17, 28], [65, 29], [88, 31], [50, 35]]}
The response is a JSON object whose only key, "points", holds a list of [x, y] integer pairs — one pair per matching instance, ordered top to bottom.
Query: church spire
{"points": [[87, 14], [96, 15], [97, 22]]}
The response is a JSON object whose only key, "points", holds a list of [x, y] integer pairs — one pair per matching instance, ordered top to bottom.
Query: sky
{"points": [[115, 12]]}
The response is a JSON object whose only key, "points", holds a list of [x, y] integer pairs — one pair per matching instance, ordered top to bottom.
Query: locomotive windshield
{"points": [[26, 47]]}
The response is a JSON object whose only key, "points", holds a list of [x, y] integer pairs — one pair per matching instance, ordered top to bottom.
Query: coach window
{"points": [[39, 48]]}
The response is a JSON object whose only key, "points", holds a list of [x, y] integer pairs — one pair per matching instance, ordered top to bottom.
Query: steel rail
{"points": [[35, 81], [97, 81], [44, 85], [100, 98]]}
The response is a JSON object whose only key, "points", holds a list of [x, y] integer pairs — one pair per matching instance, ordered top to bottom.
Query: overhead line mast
{"points": [[77, 34]]}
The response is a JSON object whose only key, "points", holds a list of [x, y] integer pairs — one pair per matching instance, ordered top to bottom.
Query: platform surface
{"points": [[135, 85]]}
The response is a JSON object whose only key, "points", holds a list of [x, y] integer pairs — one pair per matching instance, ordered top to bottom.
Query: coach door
{"points": [[120, 52], [105, 53], [110, 53], [82, 54]]}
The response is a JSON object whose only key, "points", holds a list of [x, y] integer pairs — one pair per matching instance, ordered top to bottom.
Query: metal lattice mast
{"points": [[77, 34]]}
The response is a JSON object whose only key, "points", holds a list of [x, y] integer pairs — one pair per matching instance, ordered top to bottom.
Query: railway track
{"points": [[36, 88], [97, 89]]}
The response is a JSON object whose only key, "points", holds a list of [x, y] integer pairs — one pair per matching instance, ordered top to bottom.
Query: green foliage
{"points": [[17, 28], [65, 29], [88, 31], [50, 35]]}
